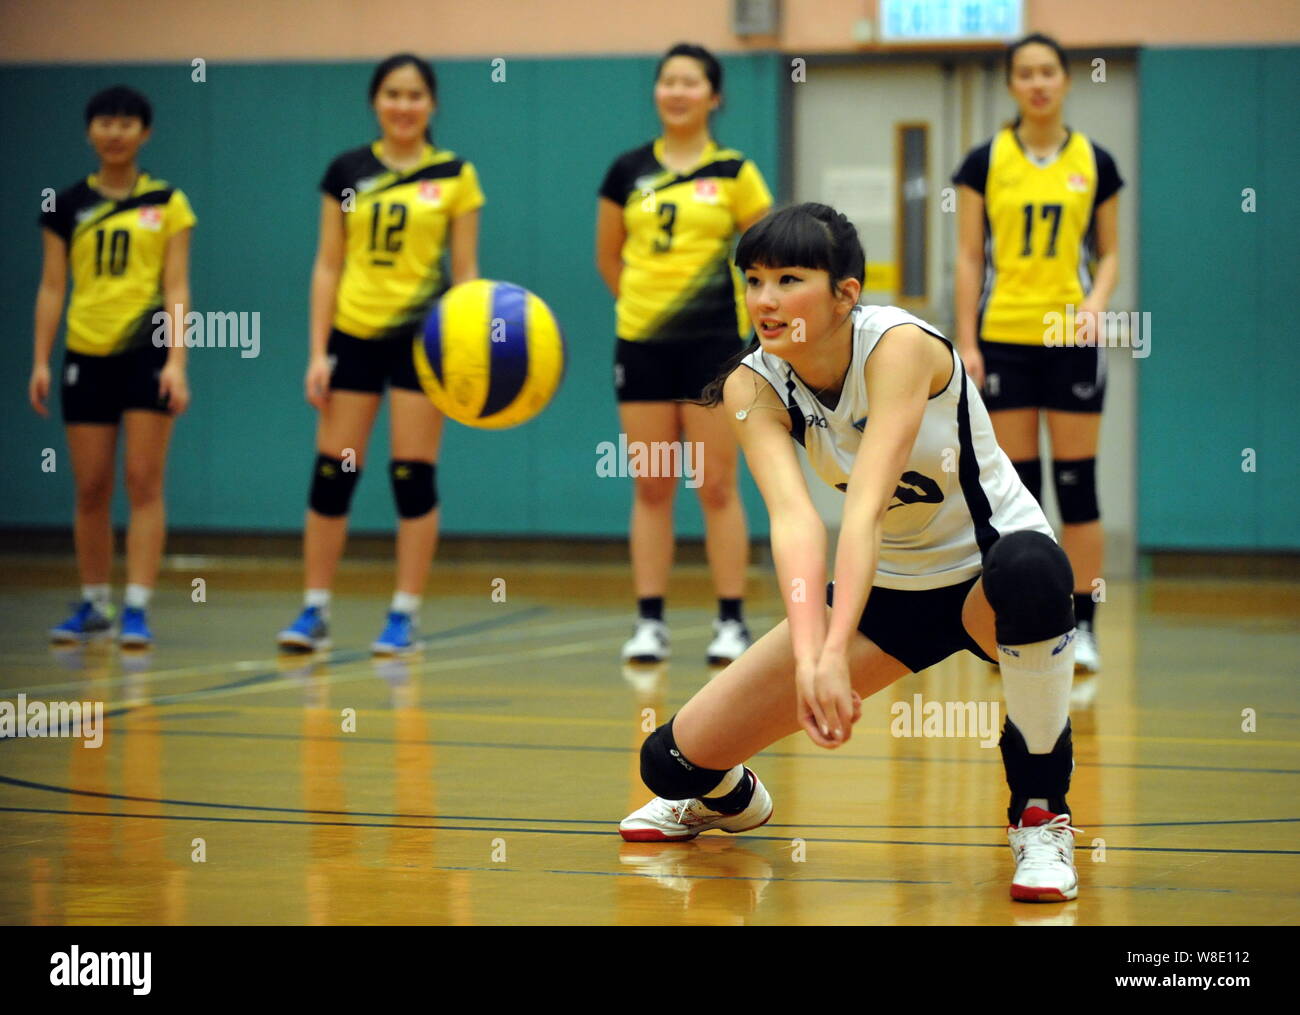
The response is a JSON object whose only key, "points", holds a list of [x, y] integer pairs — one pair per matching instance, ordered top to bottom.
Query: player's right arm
{"points": [[610, 236], [330, 251], [969, 278], [49, 307], [798, 534]]}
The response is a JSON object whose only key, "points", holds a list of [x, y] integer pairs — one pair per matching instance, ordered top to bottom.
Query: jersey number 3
{"points": [[667, 216]]}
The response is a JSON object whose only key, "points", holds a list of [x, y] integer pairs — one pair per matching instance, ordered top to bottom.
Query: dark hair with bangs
{"points": [[120, 101], [808, 235]]}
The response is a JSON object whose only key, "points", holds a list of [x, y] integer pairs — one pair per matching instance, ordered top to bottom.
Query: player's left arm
{"points": [[1106, 226], [464, 247], [899, 375], [173, 387]]}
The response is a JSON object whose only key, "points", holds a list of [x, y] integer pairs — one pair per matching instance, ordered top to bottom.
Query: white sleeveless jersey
{"points": [[958, 492]]}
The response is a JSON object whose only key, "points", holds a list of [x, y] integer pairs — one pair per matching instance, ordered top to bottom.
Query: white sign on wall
{"points": [[950, 20], [865, 194]]}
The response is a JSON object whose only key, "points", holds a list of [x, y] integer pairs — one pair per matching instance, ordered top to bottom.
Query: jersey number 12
{"points": [[391, 240]]}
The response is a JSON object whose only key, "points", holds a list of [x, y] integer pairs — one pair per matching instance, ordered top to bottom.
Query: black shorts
{"points": [[368, 364], [668, 371], [1068, 379], [98, 389], [918, 628]]}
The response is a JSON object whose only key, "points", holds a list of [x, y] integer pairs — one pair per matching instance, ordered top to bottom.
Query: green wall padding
{"points": [[249, 146], [1222, 286]]}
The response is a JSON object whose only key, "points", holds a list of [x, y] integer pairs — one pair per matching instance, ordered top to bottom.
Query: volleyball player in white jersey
{"points": [[941, 549]]}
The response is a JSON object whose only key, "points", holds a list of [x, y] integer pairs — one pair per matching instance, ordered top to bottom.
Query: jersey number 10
{"points": [[1052, 211], [119, 243]]}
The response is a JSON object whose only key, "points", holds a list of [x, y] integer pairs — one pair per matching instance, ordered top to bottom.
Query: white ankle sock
{"points": [[97, 594], [137, 597], [319, 598], [405, 602], [1036, 682], [729, 782]]}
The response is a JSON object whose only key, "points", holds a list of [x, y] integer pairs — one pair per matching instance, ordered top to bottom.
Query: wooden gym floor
{"points": [[485, 778]]}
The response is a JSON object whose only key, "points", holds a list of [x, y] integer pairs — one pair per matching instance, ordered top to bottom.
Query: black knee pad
{"points": [[1031, 474], [332, 486], [415, 487], [1076, 490], [1030, 585], [669, 775], [1037, 775]]}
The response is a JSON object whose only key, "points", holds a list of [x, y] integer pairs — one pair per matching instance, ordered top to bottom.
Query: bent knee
{"points": [[1029, 584]]}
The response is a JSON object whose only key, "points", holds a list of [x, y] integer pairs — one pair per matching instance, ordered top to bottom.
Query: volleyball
{"points": [[491, 356]]}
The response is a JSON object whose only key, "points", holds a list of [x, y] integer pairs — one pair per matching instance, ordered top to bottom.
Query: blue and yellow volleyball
{"points": [[492, 354]]}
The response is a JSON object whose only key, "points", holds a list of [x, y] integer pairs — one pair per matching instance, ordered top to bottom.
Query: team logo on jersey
{"points": [[1077, 182], [367, 183], [430, 191], [706, 191], [151, 217], [817, 421], [860, 424], [913, 488], [916, 488]]}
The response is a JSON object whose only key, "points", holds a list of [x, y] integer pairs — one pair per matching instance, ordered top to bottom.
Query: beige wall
{"points": [[259, 30]]}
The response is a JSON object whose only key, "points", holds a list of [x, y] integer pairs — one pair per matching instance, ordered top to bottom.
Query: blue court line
{"points": [[827, 756], [73, 791], [784, 840], [704, 877], [737, 877]]}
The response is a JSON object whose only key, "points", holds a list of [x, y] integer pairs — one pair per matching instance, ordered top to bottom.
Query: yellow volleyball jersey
{"points": [[396, 224], [1038, 232], [116, 251], [678, 283]]}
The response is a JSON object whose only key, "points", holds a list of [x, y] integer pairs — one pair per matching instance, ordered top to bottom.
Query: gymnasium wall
{"points": [[163, 30], [248, 146], [1222, 285]]}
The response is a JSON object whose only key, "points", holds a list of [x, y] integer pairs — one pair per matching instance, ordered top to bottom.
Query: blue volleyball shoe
{"points": [[87, 622], [135, 631], [309, 633], [399, 636]]}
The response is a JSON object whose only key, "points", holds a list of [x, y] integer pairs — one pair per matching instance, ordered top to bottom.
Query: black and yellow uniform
{"points": [[396, 224], [1038, 244], [116, 252], [678, 285]]}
